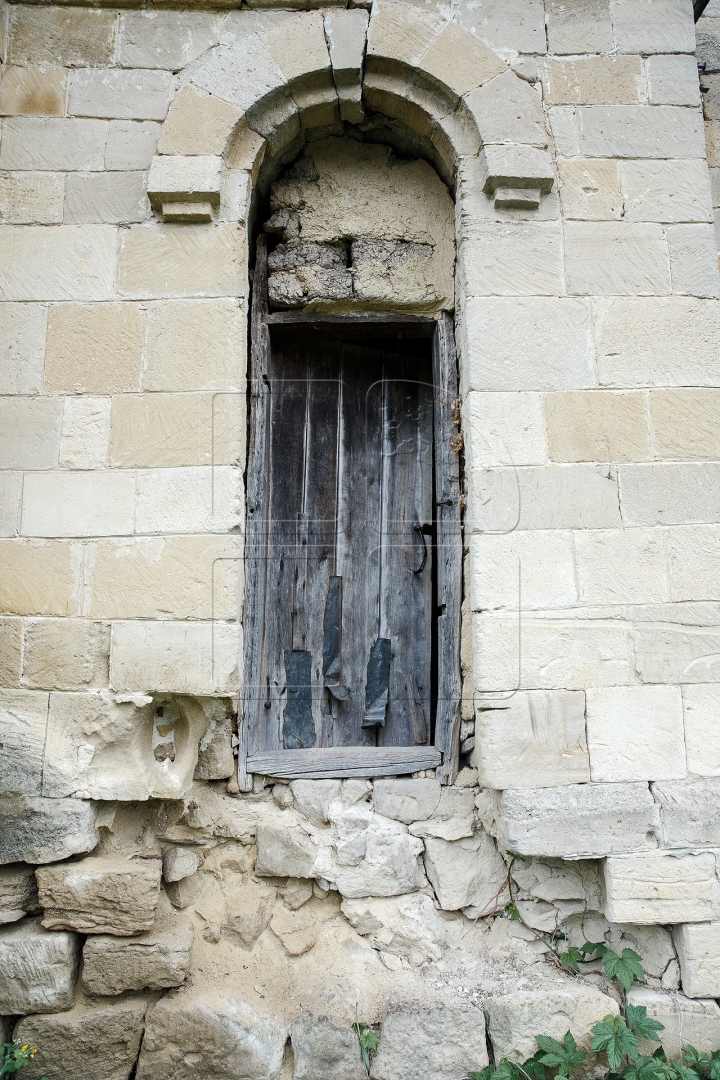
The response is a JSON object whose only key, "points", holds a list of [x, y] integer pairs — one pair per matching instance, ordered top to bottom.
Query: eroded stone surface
{"points": [[41, 830], [18, 892], [100, 895], [154, 960], [38, 969], [515, 1019], [436, 1042], [321, 1048]]}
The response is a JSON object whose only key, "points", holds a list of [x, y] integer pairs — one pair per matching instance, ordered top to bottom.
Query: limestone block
{"points": [[517, 25], [583, 27], [650, 27], [346, 33], [401, 33], [69, 36], [165, 39], [708, 44], [299, 48], [459, 60], [242, 73], [597, 80], [672, 80], [33, 91], [122, 95], [507, 110], [198, 123], [627, 131], [712, 141], [53, 144], [131, 144], [516, 167], [174, 179], [590, 189], [665, 191], [105, 197], [28, 198], [626, 258], [512, 259], [693, 260], [181, 261], [69, 262], [22, 330], [639, 341], [527, 343], [196, 345], [94, 349], [596, 426], [176, 429], [503, 429], [29, 432], [85, 432], [674, 436], [670, 494], [10, 497], [188, 500], [99, 503], [537, 565], [621, 567], [38, 579], [675, 644], [10, 651], [65, 654], [178, 657], [701, 705], [23, 720], [635, 733], [535, 739], [215, 754], [312, 798], [406, 800], [689, 812], [453, 818], [579, 821], [40, 830], [284, 852], [375, 856], [180, 863], [467, 873], [662, 887], [18, 892], [100, 895], [407, 926], [698, 947], [158, 958], [37, 969], [515, 1019], [686, 1022], [209, 1035], [98, 1042], [441, 1042], [321, 1047]]}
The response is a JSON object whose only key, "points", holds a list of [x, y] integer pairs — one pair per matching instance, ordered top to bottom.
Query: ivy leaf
{"points": [[593, 950], [572, 958], [626, 968], [642, 1024], [614, 1037], [369, 1042], [561, 1056]]}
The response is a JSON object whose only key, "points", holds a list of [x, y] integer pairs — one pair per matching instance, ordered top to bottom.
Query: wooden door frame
{"points": [[339, 762]]}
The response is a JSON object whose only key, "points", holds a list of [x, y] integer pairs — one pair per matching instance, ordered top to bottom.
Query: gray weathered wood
{"points": [[318, 318], [329, 762]]}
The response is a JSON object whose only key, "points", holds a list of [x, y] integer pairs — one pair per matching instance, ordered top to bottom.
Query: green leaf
{"points": [[512, 912], [593, 949], [572, 958], [626, 968], [642, 1024], [614, 1037], [368, 1042], [561, 1056], [696, 1060], [715, 1066], [534, 1067], [646, 1068], [506, 1070], [684, 1073], [484, 1074]]}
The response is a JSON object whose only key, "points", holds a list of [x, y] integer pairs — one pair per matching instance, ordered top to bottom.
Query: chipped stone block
{"points": [[585, 26], [397, 32], [346, 33], [74, 37], [166, 39], [459, 61], [672, 80], [33, 91], [122, 95], [507, 110], [198, 124], [627, 131], [54, 144], [131, 144], [174, 178], [590, 189], [665, 191], [181, 261], [68, 262], [308, 285], [94, 349], [21, 361], [597, 426], [503, 429], [85, 433], [189, 500], [537, 564], [65, 655], [176, 657], [701, 705], [23, 724], [635, 733], [215, 754], [313, 797], [406, 800], [689, 812], [452, 819], [579, 821], [38, 830], [286, 852], [375, 856], [179, 863], [467, 873], [661, 888], [18, 892], [182, 894], [100, 895], [248, 910], [407, 926], [298, 930], [698, 947], [156, 959], [38, 969], [515, 1019], [686, 1022], [210, 1035], [100, 1042], [439, 1042], [321, 1047]]}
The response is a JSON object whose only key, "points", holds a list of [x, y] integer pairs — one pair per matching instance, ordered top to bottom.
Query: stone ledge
{"points": [[516, 176], [185, 188]]}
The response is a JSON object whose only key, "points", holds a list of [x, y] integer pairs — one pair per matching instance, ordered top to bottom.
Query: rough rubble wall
{"points": [[588, 331]]}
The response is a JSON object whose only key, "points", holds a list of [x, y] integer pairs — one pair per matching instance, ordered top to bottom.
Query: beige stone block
{"points": [[584, 26], [653, 26], [400, 32], [61, 35], [166, 39], [298, 45], [460, 61], [243, 72], [597, 80], [672, 80], [33, 91], [122, 95], [508, 110], [198, 123], [627, 131], [712, 142], [64, 144], [131, 144], [590, 189], [666, 191], [106, 197], [30, 198], [613, 257], [513, 259], [182, 260], [693, 260], [68, 262], [655, 342], [530, 343], [195, 345], [22, 347], [94, 349], [686, 423], [596, 425], [177, 429], [503, 429], [29, 432], [85, 433], [665, 493], [10, 497], [542, 497], [188, 500], [99, 503], [693, 562], [621, 567], [522, 570], [177, 577], [38, 578], [676, 643], [10, 651], [65, 654], [176, 657], [701, 708], [23, 721], [635, 733], [534, 739], [690, 812], [661, 888], [100, 895], [698, 948], [158, 958], [39, 970], [514, 1019], [685, 1022]]}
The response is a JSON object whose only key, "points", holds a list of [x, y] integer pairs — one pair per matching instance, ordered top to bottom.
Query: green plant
{"points": [[368, 1041], [14, 1057]]}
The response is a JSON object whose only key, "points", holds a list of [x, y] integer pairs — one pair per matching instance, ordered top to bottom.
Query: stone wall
{"points": [[139, 148]]}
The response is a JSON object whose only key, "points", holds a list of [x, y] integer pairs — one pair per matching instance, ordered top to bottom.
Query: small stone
{"points": [[215, 756], [467, 778], [282, 796], [312, 798], [407, 800], [453, 817], [38, 830], [284, 852], [180, 863], [467, 873], [18, 892], [185, 892], [296, 893], [100, 895], [248, 912], [698, 947], [156, 959], [38, 969], [441, 1043], [322, 1049]]}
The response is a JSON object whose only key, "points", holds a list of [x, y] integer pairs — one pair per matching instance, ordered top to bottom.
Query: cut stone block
{"points": [[585, 26], [653, 26], [346, 33], [72, 37], [166, 39], [593, 80], [33, 91], [125, 95], [508, 110], [198, 124], [627, 131], [53, 144], [131, 144], [177, 179], [590, 189], [665, 190], [106, 197], [616, 258], [67, 262], [157, 262], [94, 349], [597, 426], [99, 502], [625, 566], [65, 654], [198, 658], [23, 723], [702, 728], [635, 733], [312, 798], [406, 800], [690, 812], [452, 819], [579, 821], [37, 830], [284, 852], [467, 873], [662, 888], [18, 892], [100, 895], [698, 947], [157, 959], [38, 969], [515, 1019], [686, 1022], [437, 1042], [321, 1048]]}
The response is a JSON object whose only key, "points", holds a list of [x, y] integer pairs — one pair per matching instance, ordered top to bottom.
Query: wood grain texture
{"points": [[320, 318], [330, 762]]}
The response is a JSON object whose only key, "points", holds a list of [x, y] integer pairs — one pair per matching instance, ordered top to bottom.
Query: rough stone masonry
{"points": [[548, 171]]}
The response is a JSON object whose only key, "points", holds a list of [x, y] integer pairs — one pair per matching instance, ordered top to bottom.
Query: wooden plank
{"points": [[319, 318], [449, 547], [330, 762]]}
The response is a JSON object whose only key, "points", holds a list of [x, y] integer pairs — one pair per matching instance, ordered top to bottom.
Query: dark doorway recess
{"points": [[353, 547]]}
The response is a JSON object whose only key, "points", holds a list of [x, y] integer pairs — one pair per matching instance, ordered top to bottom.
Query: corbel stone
{"points": [[346, 33], [515, 177], [185, 188]]}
